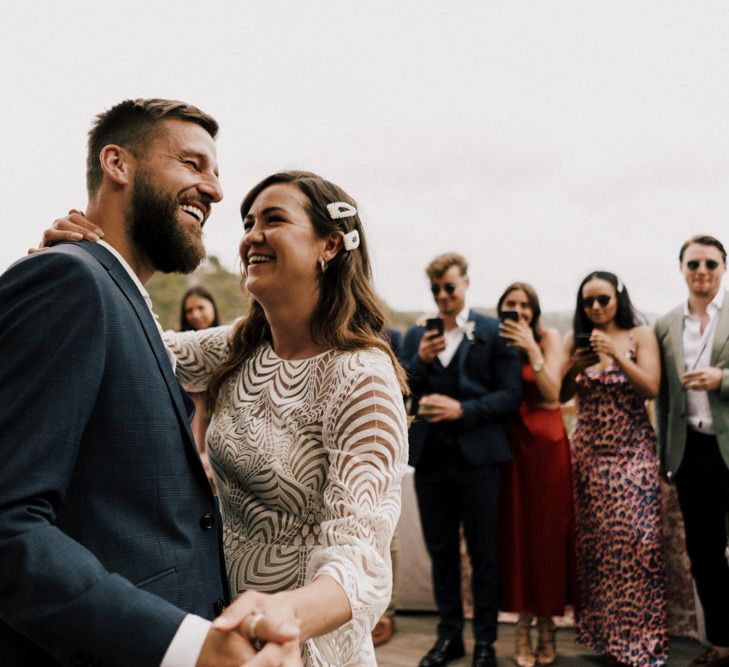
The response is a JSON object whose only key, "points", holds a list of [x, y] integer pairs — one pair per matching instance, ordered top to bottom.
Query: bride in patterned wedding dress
{"points": [[308, 435]]}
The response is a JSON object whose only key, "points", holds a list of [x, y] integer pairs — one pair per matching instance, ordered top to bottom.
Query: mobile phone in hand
{"points": [[506, 315], [435, 324], [582, 341]]}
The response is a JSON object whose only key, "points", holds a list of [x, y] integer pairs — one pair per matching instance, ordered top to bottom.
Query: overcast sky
{"points": [[540, 139]]}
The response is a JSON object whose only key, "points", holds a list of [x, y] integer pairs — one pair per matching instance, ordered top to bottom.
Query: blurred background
{"points": [[541, 140]]}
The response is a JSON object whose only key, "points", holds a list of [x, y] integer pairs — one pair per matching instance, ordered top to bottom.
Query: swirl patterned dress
{"points": [[308, 457], [618, 526]]}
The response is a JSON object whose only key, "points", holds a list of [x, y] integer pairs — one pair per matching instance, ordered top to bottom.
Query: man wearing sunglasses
{"points": [[465, 382], [693, 428]]}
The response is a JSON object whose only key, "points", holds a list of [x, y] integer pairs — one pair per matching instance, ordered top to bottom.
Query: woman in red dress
{"points": [[536, 542]]}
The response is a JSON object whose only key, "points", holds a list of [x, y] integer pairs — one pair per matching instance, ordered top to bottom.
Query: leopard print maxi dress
{"points": [[618, 528]]}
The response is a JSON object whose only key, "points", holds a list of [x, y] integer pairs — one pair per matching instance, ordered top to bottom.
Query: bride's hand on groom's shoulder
{"points": [[73, 227], [264, 619]]}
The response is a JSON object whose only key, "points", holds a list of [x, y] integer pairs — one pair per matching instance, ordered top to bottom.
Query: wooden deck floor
{"points": [[416, 634]]}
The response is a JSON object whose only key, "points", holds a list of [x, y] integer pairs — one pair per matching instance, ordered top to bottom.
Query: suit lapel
{"points": [[135, 299], [722, 330], [675, 333], [464, 347]]}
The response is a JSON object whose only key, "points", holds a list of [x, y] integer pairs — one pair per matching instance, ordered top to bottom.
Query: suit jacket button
{"points": [[207, 521], [218, 607]]}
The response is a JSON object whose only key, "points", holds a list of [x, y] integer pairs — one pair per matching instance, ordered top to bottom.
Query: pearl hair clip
{"points": [[341, 209], [351, 240]]}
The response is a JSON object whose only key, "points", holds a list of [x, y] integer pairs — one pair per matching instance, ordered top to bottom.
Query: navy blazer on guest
{"points": [[489, 389], [109, 531]]}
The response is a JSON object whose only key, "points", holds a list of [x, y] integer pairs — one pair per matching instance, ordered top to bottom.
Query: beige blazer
{"points": [[671, 404]]}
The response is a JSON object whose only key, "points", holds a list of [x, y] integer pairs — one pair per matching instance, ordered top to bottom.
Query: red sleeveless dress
{"points": [[537, 571]]}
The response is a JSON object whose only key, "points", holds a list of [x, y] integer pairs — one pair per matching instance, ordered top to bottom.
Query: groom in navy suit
{"points": [[465, 382], [110, 541]]}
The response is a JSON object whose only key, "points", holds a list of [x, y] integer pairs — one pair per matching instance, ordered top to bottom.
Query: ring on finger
{"points": [[253, 620]]}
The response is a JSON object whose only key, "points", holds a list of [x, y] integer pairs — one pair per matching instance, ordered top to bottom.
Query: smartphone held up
{"points": [[435, 324]]}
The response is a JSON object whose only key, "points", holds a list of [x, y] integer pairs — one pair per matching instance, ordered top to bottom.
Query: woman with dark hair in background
{"points": [[199, 311], [613, 368], [536, 541]]}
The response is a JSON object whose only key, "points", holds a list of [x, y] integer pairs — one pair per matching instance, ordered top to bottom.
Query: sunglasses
{"points": [[710, 264], [449, 288], [603, 300]]}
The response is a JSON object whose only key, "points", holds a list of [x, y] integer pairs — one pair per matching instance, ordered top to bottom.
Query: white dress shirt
{"points": [[453, 338], [697, 348], [185, 647]]}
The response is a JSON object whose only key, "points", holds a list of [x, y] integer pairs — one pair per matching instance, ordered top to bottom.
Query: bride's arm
{"points": [[198, 354], [365, 435]]}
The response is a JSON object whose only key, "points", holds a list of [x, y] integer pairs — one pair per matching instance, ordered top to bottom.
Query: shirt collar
{"points": [[128, 269], [715, 305], [462, 318]]}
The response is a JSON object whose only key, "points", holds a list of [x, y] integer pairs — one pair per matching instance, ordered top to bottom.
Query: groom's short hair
{"points": [[132, 124]]}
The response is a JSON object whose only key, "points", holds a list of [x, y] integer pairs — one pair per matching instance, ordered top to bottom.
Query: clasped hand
{"points": [[602, 343], [707, 378], [438, 408], [229, 642]]}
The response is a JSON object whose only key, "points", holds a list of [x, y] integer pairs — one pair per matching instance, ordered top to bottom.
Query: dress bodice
{"points": [[606, 402]]}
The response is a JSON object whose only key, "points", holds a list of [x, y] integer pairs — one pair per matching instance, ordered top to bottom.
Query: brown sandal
{"points": [[546, 649], [523, 653]]}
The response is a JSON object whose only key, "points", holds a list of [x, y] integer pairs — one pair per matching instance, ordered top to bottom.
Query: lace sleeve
{"points": [[198, 354], [365, 436]]}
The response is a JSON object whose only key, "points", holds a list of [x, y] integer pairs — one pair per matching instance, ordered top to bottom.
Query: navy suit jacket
{"points": [[489, 389], [109, 532]]}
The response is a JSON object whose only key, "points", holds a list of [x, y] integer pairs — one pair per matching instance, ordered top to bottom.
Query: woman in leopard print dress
{"points": [[613, 368]]}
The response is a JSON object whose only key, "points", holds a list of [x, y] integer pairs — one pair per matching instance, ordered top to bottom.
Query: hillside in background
{"points": [[166, 291]]}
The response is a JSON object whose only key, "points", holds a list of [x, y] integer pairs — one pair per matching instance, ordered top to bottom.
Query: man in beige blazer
{"points": [[693, 428]]}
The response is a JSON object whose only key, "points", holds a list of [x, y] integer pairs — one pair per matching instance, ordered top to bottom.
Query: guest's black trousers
{"points": [[702, 482], [448, 494]]}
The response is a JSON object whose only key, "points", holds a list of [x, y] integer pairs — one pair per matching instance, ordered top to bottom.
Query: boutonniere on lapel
{"points": [[468, 331]]}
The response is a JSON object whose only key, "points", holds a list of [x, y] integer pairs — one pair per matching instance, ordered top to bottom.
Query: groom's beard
{"points": [[156, 232]]}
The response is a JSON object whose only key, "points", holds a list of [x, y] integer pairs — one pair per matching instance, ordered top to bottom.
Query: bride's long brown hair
{"points": [[348, 314]]}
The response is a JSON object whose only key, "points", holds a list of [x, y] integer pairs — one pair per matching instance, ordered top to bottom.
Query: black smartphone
{"points": [[509, 315], [435, 324], [582, 340]]}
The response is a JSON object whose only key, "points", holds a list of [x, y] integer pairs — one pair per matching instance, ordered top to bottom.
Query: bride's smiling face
{"points": [[280, 251]]}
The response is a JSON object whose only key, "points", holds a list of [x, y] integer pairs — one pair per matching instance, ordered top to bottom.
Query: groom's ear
{"points": [[117, 164]]}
